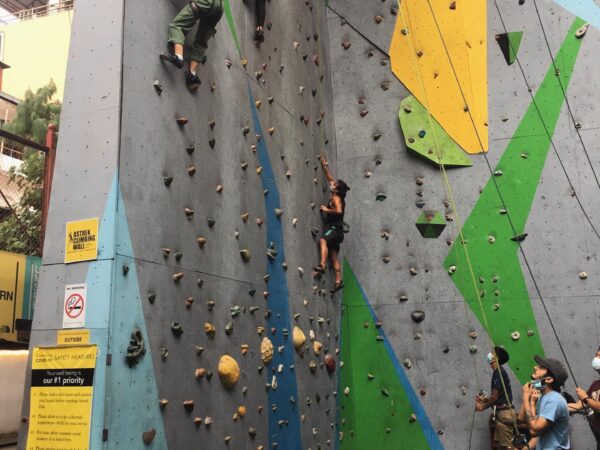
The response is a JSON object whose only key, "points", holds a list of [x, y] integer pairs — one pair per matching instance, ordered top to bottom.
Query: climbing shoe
{"points": [[259, 36], [170, 57], [192, 81], [338, 286]]}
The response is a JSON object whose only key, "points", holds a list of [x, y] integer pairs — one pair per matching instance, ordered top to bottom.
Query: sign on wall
{"points": [[81, 240], [75, 305], [62, 387]]}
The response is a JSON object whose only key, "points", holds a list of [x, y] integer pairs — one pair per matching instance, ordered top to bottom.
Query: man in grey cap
{"points": [[547, 415]]}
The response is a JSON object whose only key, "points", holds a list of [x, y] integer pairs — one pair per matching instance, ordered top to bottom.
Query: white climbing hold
{"points": [[581, 31], [451, 269], [583, 275], [515, 336]]}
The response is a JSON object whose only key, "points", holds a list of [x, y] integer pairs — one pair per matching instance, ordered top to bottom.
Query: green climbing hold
{"points": [[509, 44], [415, 121], [430, 224]]}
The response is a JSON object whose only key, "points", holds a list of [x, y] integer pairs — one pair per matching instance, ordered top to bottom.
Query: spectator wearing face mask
{"points": [[591, 399], [544, 408]]}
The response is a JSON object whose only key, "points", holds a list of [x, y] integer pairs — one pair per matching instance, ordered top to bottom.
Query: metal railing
{"points": [[38, 11]]}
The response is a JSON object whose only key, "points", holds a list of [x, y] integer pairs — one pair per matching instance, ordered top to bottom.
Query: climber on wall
{"points": [[207, 13], [259, 35], [333, 215], [500, 399]]}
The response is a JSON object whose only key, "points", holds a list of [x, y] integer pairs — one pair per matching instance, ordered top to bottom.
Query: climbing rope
{"points": [[564, 93], [548, 134], [450, 193], [503, 202]]}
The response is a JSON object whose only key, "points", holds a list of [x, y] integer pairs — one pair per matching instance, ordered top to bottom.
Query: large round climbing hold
{"points": [[417, 316], [298, 337], [266, 351], [330, 363], [229, 371]]}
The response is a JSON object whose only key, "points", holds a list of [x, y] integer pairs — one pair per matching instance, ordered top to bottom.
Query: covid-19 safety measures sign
{"points": [[62, 386]]}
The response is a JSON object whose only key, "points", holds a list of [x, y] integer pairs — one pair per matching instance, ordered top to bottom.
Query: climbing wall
{"points": [[480, 90], [468, 137], [209, 220]]}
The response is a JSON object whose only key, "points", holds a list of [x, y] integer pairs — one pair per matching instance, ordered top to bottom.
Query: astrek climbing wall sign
{"points": [[81, 240]]}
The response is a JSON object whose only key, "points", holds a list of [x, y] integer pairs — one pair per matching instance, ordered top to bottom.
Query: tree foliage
{"points": [[20, 232]]}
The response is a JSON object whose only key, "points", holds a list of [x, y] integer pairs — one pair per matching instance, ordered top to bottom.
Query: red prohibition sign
{"points": [[74, 306]]}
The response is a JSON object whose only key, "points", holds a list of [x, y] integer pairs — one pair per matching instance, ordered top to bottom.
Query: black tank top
{"points": [[333, 219]]}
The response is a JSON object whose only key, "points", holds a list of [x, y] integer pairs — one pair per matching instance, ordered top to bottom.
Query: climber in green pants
{"points": [[207, 13]]}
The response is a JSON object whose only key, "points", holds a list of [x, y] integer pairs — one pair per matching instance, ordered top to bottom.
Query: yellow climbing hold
{"points": [[431, 78], [299, 338], [266, 351], [229, 371]]}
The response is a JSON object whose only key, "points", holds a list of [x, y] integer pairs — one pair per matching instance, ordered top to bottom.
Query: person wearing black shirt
{"points": [[333, 215], [500, 399]]}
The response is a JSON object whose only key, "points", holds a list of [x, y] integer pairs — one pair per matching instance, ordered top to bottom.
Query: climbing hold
{"points": [[378, 19], [581, 31], [509, 45], [158, 87], [181, 121], [190, 149], [498, 173], [167, 181], [419, 181], [219, 188], [380, 196], [278, 212], [189, 213], [430, 224], [519, 237], [491, 239], [201, 241], [245, 254], [125, 269], [451, 269], [413, 271], [583, 275], [177, 276], [417, 316], [229, 328], [176, 329], [209, 329], [473, 334], [515, 336], [298, 337], [317, 347], [136, 348], [473, 348], [199, 349], [266, 351], [164, 353], [330, 363], [407, 363], [229, 371], [200, 372], [163, 402], [188, 405], [148, 436]]}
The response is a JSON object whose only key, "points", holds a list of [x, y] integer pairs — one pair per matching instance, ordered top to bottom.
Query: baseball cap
{"points": [[559, 373]]}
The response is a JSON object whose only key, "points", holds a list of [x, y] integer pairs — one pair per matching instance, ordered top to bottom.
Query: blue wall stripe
{"points": [[288, 436]]}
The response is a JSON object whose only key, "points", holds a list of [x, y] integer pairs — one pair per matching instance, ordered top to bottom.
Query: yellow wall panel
{"points": [[429, 64]]}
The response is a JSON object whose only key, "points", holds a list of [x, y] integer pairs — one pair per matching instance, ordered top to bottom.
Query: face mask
{"points": [[596, 363], [538, 384]]}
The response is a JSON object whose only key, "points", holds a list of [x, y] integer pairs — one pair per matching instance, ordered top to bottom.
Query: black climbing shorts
{"points": [[334, 236]]}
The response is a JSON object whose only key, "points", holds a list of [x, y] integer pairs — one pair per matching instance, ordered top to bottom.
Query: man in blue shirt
{"points": [[500, 399], [547, 415]]}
